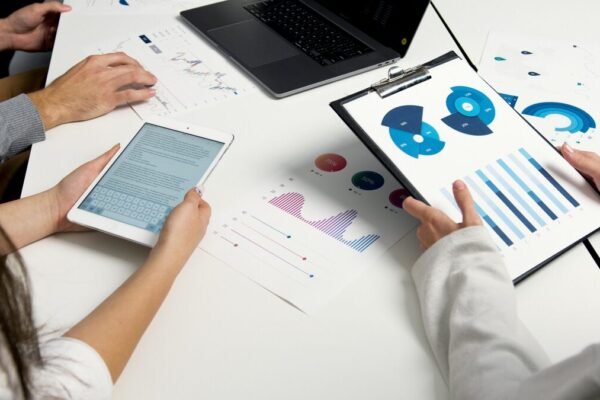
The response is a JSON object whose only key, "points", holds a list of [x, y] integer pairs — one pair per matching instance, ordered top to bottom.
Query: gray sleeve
{"points": [[20, 126], [483, 350]]}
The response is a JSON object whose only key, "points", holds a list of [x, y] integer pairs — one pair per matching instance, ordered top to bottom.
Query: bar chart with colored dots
{"points": [[305, 234]]}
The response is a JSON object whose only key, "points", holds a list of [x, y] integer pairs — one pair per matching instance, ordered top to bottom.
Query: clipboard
{"points": [[439, 121]]}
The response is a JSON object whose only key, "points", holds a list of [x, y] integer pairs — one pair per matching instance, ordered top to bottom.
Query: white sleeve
{"points": [[483, 350], [72, 370]]}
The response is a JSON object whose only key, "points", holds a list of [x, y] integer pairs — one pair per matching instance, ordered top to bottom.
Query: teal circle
{"points": [[460, 104], [367, 180]]}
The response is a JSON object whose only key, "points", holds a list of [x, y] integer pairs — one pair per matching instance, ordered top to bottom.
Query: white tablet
{"points": [[148, 177]]}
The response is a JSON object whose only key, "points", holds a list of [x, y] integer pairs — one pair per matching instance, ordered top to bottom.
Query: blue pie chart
{"points": [[471, 111], [579, 120], [410, 134]]}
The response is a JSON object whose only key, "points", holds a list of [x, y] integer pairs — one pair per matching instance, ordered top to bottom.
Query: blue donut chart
{"points": [[471, 111], [580, 120], [410, 134]]}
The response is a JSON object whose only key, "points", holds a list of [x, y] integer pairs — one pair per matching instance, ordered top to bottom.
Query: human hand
{"points": [[33, 28], [93, 87], [586, 162], [64, 195], [434, 223], [183, 229]]}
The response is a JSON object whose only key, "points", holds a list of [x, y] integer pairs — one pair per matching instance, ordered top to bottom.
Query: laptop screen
{"points": [[390, 22]]}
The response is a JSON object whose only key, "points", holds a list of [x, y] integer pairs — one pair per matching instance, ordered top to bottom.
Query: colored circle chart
{"points": [[471, 111], [579, 120], [410, 134], [331, 162], [367, 180], [398, 196]]}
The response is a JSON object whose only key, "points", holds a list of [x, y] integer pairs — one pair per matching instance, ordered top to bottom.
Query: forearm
{"points": [[20, 125], [27, 220], [469, 312], [115, 327]]}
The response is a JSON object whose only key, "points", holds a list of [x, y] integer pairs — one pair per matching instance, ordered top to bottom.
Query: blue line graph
{"points": [[549, 177], [537, 183], [505, 189], [529, 192], [516, 195], [506, 201], [490, 203], [487, 219]]}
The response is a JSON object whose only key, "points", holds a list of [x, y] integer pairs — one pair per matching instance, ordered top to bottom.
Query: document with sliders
{"points": [[439, 122], [305, 233]]}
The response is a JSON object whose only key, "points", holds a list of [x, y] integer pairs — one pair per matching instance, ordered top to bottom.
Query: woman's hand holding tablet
{"points": [[148, 178]]}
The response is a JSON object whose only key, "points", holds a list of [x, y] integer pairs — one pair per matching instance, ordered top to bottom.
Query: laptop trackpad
{"points": [[252, 43]]}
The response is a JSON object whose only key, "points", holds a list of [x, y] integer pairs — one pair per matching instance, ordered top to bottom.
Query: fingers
{"points": [[56, 6], [52, 7], [113, 60], [131, 76], [130, 96], [584, 161], [465, 203], [416, 208]]}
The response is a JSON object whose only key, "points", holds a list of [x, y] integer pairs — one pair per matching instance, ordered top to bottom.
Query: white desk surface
{"points": [[220, 336]]}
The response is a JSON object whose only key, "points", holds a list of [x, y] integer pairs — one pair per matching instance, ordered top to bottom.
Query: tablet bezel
{"points": [[133, 233]]}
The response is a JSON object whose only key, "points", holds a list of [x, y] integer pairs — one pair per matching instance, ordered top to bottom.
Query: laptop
{"points": [[290, 46]]}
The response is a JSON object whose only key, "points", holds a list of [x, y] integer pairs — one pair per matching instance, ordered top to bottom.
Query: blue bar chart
{"points": [[516, 196]]}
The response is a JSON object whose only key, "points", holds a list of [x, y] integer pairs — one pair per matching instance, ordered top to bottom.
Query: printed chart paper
{"points": [[125, 7], [190, 73], [554, 84], [454, 126], [306, 234]]}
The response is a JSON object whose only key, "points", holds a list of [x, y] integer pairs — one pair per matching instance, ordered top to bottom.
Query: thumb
{"points": [[100, 162], [585, 162], [194, 196], [465, 203]]}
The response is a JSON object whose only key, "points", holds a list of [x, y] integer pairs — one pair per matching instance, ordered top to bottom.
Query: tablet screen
{"points": [[151, 176]]}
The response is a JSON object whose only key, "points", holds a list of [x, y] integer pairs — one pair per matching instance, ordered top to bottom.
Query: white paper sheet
{"points": [[128, 7], [190, 73], [548, 82], [305, 234]]}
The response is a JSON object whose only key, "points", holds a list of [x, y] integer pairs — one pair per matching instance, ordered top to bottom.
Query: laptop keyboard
{"points": [[310, 32]]}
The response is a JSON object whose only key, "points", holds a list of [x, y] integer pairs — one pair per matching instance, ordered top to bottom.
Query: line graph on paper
{"points": [[119, 7], [190, 73], [335, 227], [305, 234]]}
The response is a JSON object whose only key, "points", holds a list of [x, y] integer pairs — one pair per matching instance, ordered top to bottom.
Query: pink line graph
{"points": [[335, 227]]}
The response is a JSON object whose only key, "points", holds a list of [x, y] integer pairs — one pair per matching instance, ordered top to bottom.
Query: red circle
{"points": [[331, 162], [398, 196]]}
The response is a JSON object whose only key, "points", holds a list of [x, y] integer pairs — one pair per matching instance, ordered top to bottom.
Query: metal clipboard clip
{"points": [[399, 79]]}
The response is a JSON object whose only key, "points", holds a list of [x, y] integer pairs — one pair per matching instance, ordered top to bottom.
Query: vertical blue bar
{"points": [[549, 177], [524, 186], [543, 188], [517, 196], [505, 200], [494, 208], [483, 215], [357, 243]]}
